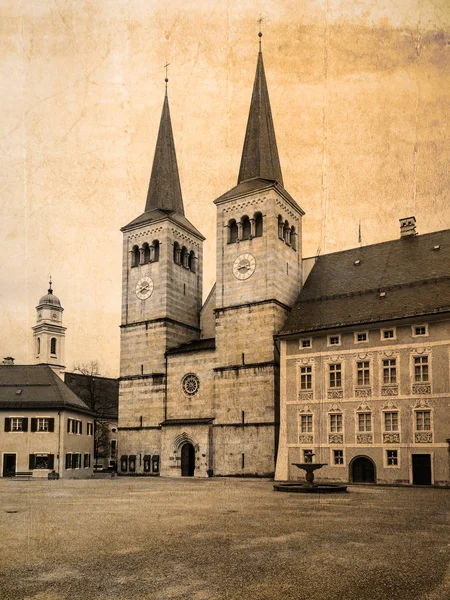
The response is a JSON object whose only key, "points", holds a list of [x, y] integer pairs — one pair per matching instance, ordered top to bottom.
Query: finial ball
{"points": [[260, 34], [166, 80]]}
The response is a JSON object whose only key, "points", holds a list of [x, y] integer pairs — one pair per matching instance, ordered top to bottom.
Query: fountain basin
{"points": [[309, 487], [300, 488]]}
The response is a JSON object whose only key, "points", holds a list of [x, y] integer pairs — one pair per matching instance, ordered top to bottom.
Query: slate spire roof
{"points": [[260, 153], [164, 191]]}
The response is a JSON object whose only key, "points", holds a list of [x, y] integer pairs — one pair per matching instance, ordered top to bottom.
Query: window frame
{"points": [[385, 330], [357, 333], [414, 334], [330, 337], [302, 341], [421, 357], [384, 359], [365, 370], [335, 371], [307, 377], [419, 410], [364, 413], [384, 414], [307, 419], [339, 427], [333, 457], [387, 458]]}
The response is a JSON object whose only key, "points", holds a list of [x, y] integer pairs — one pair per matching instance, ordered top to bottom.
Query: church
{"points": [[287, 356], [199, 383]]}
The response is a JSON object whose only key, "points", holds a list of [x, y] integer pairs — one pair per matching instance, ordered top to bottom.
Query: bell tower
{"points": [[258, 237], [161, 296], [49, 333]]}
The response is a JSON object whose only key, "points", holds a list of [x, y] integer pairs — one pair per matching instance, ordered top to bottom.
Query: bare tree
{"points": [[94, 391]]}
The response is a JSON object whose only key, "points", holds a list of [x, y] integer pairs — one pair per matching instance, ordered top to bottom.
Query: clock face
{"points": [[244, 266], [144, 288], [54, 316]]}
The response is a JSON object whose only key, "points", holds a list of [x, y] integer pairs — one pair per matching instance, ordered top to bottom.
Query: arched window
{"points": [[258, 224], [280, 227], [246, 228], [232, 231], [286, 232], [293, 238], [155, 245], [146, 249], [177, 253], [135, 254], [184, 257], [192, 261], [38, 345], [53, 346]]}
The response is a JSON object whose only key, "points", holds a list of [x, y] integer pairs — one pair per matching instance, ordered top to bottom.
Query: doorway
{"points": [[187, 460], [9, 465], [421, 469], [362, 470]]}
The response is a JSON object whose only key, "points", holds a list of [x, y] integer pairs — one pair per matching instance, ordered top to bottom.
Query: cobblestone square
{"points": [[135, 538]]}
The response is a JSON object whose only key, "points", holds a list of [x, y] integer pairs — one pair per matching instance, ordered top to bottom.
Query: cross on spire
{"points": [[260, 22], [166, 66], [50, 291]]}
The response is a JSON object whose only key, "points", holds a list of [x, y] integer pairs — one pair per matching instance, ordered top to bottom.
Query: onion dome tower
{"points": [[49, 333]]}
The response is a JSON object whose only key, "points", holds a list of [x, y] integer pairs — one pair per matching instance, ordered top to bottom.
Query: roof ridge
{"points": [[383, 288]]}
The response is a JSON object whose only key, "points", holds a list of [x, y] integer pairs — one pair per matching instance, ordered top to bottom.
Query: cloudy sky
{"points": [[360, 94]]}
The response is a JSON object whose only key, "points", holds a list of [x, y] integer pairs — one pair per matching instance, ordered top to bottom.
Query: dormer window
{"points": [[419, 330], [388, 334], [334, 340]]}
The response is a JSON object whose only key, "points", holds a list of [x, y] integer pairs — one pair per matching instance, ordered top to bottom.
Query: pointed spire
{"points": [[260, 153], [164, 191], [50, 291]]}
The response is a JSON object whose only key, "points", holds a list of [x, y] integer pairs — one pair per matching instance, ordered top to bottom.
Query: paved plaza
{"points": [[210, 539]]}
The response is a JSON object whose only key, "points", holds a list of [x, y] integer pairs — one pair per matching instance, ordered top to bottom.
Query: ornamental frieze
{"points": [[421, 388], [389, 390], [363, 392], [335, 395], [306, 396], [423, 437], [305, 438], [335, 438], [364, 438], [391, 438]]}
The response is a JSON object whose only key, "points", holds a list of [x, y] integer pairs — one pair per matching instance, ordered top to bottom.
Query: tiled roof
{"points": [[344, 288], [195, 346], [36, 386]]}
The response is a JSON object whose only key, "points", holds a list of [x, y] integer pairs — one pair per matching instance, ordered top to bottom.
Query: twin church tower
{"points": [[199, 383]]}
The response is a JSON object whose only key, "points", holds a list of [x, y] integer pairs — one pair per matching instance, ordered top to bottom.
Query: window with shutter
{"points": [[7, 424], [25, 424], [33, 424], [51, 425], [69, 425], [51, 461], [68, 461], [31, 462]]}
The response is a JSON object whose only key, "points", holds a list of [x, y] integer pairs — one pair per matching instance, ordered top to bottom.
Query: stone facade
{"points": [[390, 420]]}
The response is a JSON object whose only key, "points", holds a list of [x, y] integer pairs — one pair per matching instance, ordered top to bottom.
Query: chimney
{"points": [[408, 227], [8, 360]]}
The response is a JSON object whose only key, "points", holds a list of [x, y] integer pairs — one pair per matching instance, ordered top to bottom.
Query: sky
{"points": [[360, 96]]}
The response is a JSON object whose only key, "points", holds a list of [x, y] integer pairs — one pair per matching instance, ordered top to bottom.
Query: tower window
{"points": [[258, 224], [280, 227], [246, 228], [232, 231], [286, 232], [293, 238], [146, 249], [177, 253], [135, 254], [155, 257], [184, 257], [192, 261], [38, 345], [53, 346]]}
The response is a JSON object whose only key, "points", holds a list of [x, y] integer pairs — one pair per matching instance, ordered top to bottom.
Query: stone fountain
{"points": [[309, 486]]}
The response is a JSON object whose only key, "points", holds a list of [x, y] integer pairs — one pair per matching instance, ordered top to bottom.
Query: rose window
{"points": [[190, 384]]}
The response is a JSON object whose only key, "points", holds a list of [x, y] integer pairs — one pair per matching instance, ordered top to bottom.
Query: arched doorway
{"points": [[187, 460], [362, 470]]}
